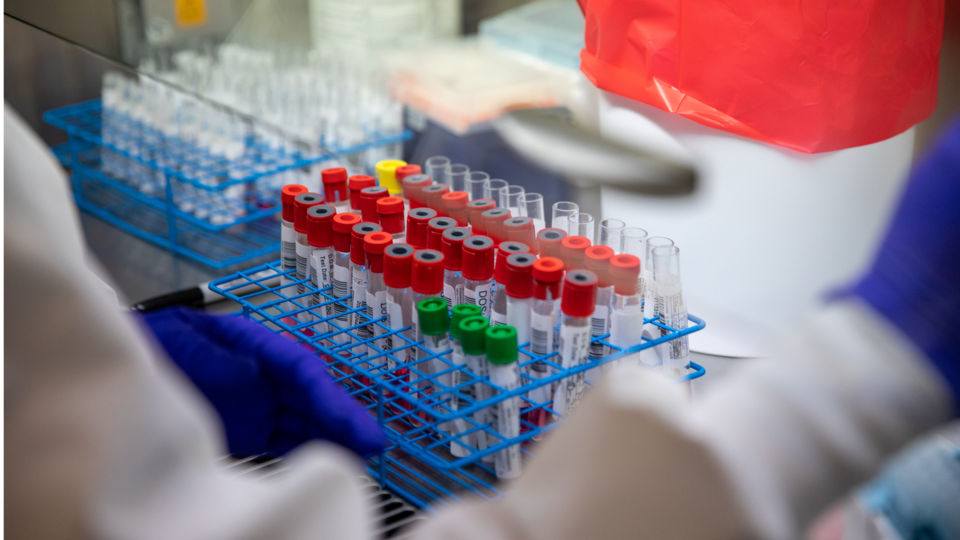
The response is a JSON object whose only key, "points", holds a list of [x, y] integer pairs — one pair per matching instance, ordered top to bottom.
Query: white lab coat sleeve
{"points": [[105, 438], [757, 457]]}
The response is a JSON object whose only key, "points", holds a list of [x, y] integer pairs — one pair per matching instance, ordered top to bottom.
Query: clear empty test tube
{"points": [[438, 169], [458, 177], [476, 185], [494, 188], [510, 198], [531, 205], [561, 214], [581, 224], [610, 231], [633, 241], [672, 309], [650, 356]]}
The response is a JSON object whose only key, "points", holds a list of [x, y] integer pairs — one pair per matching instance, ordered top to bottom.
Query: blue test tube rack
{"points": [[417, 464]]}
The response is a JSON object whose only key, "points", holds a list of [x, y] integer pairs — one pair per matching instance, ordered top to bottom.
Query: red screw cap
{"points": [[405, 171], [334, 184], [357, 184], [413, 189], [287, 196], [433, 197], [368, 202], [302, 203], [455, 204], [477, 207], [390, 211], [492, 223], [320, 225], [417, 226], [435, 228], [521, 229], [342, 230], [358, 233], [549, 241], [374, 245], [451, 245], [504, 250], [571, 251], [478, 256], [397, 260], [597, 260], [427, 272], [625, 272], [547, 274], [520, 275], [579, 293]]}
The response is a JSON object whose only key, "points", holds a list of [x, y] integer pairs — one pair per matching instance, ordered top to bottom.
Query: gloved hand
{"points": [[915, 279], [270, 393]]}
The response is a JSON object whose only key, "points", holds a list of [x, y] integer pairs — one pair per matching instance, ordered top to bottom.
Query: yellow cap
{"points": [[387, 174]]}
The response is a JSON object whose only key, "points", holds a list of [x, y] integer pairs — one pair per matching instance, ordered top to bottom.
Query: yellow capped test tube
{"points": [[387, 174]]}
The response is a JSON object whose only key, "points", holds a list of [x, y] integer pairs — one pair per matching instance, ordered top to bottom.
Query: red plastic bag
{"points": [[813, 76]]}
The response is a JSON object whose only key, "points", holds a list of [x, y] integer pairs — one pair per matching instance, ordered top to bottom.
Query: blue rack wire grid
{"points": [[220, 208], [371, 362]]}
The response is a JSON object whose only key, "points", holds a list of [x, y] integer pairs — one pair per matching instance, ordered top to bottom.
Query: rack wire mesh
{"points": [[215, 208], [412, 391]]}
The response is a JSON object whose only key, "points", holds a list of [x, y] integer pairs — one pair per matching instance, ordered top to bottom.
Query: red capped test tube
{"points": [[356, 184], [413, 189], [335, 192], [433, 197], [368, 202], [455, 205], [474, 209], [390, 212], [417, 220], [492, 223], [435, 228], [521, 229], [550, 241], [451, 245], [504, 250], [571, 252], [597, 260], [478, 267], [576, 307], [626, 313]]}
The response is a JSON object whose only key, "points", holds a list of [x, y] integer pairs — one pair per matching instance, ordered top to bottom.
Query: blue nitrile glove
{"points": [[915, 279], [270, 393]]}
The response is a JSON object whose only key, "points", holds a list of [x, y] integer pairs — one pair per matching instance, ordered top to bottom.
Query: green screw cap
{"points": [[460, 313], [433, 316], [473, 335], [502, 344]]}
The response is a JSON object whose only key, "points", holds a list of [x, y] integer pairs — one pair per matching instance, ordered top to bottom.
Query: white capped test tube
{"points": [[561, 213]]}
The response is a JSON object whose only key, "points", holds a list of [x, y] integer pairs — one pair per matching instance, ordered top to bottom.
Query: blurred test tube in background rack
{"points": [[438, 169], [458, 176], [476, 185], [493, 190], [510, 197], [531, 205], [561, 213], [581, 224], [610, 231], [633, 241], [672, 309], [652, 355]]}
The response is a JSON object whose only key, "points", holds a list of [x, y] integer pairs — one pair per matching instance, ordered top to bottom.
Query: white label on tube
{"points": [[288, 247], [303, 266], [321, 267], [341, 289], [449, 294], [481, 296], [359, 300], [377, 308], [673, 313], [518, 316], [498, 319], [395, 322], [598, 327], [626, 330], [541, 344], [574, 344], [482, 391], [506, 419], [459, 424]]}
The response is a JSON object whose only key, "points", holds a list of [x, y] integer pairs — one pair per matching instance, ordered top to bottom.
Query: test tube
{"points": [[438, 169], [458, 176], [476, 184], [494, 188], [510, 198], [531, 205], [561, 213], [581, 224], [610, 231], [633, 241], [648, 288], [576, 307], [672, 308], [458, 314], [502, 355]]}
